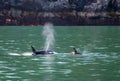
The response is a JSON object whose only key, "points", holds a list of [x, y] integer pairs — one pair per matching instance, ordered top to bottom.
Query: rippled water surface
{"points": [[99, 59]]}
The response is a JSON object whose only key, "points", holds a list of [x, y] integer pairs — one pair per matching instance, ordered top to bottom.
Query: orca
{"points": [[75, 51], [41, 52], [44, 52]]}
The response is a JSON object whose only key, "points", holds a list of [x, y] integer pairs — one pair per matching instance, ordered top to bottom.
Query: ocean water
{"points": [[99, 59]]}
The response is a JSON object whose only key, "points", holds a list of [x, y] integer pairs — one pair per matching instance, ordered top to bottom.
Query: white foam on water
{"points": [[14, 54], [22, 54], [27, 54]]}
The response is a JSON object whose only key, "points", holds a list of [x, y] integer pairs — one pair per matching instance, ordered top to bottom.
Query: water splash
{"points": [[48, 33], [22, 54]]}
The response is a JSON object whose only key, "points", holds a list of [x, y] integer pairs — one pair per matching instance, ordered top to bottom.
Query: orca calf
{"points": [[75, 51], [41, 52]]}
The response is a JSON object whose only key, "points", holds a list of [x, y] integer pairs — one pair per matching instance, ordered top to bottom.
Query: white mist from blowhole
{"points": [[48, 33]]}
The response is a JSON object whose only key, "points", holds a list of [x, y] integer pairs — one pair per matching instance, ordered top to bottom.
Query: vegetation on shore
{"points": [[72, 13]]}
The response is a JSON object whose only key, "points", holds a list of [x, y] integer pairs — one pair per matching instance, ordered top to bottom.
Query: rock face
{"points": [[57, 5], [60, 12]]}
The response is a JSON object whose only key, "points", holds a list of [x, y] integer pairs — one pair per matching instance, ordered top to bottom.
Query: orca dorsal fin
{"points": [[33, 49], [75, 51]]}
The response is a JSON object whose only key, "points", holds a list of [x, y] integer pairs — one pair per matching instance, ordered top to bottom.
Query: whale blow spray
{"points": [[48, 33]]}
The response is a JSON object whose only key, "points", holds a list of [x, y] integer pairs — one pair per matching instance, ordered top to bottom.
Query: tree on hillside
{"points": [[52, 0], [77, 5], [112, 6]]}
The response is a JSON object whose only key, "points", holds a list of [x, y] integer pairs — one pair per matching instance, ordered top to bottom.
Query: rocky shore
{"points": [[59, 12], [58, 19]]}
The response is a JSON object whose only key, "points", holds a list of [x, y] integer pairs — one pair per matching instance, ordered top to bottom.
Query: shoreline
{"points": [[61, 19]]}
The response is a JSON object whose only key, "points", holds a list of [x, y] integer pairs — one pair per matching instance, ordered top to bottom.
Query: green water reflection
{"points": [[99, 61]]}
